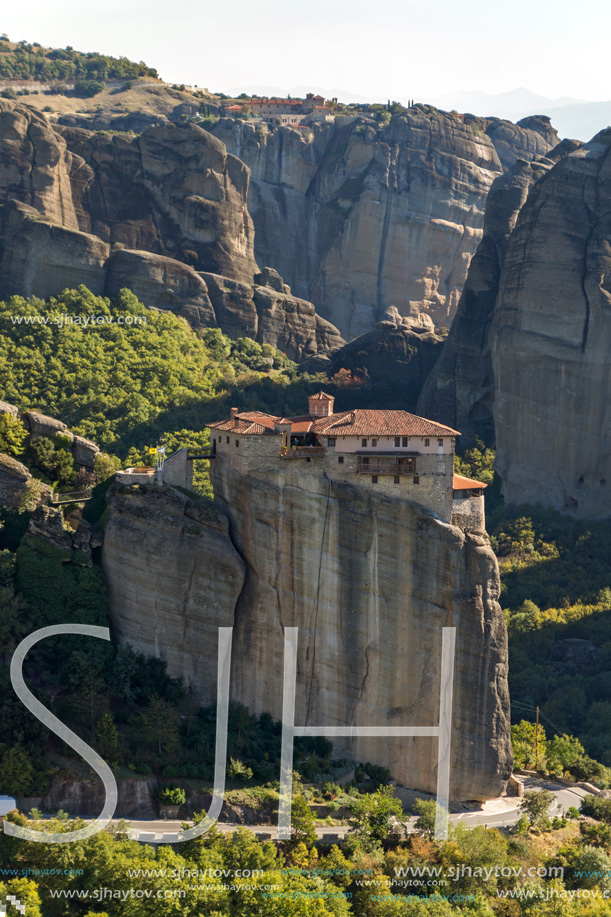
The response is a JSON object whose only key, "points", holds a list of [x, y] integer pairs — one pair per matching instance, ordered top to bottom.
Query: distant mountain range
{"points": [[578, 118]]}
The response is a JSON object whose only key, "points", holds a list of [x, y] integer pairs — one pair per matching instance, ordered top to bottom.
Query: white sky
{"points": [[387, 48]]}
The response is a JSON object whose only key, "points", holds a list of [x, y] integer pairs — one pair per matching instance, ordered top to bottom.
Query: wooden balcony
{"points": [[297, 452], [375, 465]]}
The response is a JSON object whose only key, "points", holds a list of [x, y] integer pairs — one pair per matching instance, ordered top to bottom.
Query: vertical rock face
{"points": [[35, 164], [174, 189], [158, 213], [361, 217], [551, 337], [460, 389], [173, 579], [370, 580]]}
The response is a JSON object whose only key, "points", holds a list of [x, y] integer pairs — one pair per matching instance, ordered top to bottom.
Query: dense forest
{"points": [[24, 61]]}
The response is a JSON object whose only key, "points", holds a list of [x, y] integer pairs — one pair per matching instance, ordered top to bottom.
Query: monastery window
{"points": [[227, 439], [397, 440], [405, 440], [331, 441], [440, 441], [363, 442], [374, 442], [427, 442], [237, 443], [340, 460], [374, 479], [397, 479], [416, 480]]}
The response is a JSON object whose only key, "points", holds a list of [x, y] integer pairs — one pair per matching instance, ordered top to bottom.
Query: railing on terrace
{"points": [[303, 452], [380, 466], [77, 496]]}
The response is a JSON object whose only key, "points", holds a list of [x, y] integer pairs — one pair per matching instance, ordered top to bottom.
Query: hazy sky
{"points": [[385, 48]]}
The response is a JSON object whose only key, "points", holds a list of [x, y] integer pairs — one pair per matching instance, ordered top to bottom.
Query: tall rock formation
{"points": [[158, 213], [359, 217], [551, 337], [460, 389], [369, 579]]}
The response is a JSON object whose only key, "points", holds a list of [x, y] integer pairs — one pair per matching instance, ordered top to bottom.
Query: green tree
{"points": [[13, 435], [104, 466], [159, 724], [106, 738], [524, 742], [563, 752], [16, 771], [535, 804], [426, 810], [373, 817], [302, 822]]}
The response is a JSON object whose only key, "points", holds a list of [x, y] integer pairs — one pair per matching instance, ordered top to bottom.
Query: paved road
{"points": [[565, 798]]}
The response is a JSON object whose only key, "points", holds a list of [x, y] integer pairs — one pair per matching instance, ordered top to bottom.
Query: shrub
{"points": [[85, 89], [13, 435], [30, 498], [237, 770], [171, 795]]}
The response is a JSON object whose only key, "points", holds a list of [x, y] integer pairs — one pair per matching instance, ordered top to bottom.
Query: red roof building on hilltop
{"points": [[395, 451]]}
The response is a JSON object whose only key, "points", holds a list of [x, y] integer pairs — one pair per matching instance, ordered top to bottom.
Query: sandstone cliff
{"points": [[156, 213], [358, 217], [550, 340], [459, 391], [173, 577], [369, 579]]}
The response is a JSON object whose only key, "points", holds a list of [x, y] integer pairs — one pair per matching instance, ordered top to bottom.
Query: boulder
{"points": [[6, 408], [40, 425], [84, 451], [13, 479]]}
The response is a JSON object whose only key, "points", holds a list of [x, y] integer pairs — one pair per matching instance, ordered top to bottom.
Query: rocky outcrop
{"points": [[531, 138], [156, 213], [358, 217], [161, 283], [270, 317], [550, 340], [392, 360], [459, 391], [83, 450], [13, 479], [47, 524], [173, 579], [368, 579]]}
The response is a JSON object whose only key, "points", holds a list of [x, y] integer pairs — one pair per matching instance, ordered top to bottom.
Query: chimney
{"points": [[233, 412]]}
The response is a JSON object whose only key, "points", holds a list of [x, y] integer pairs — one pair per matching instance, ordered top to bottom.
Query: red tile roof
{"points": [[322, 396], [253, 422], [344, 423], [380, 423], [461, 483]]}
